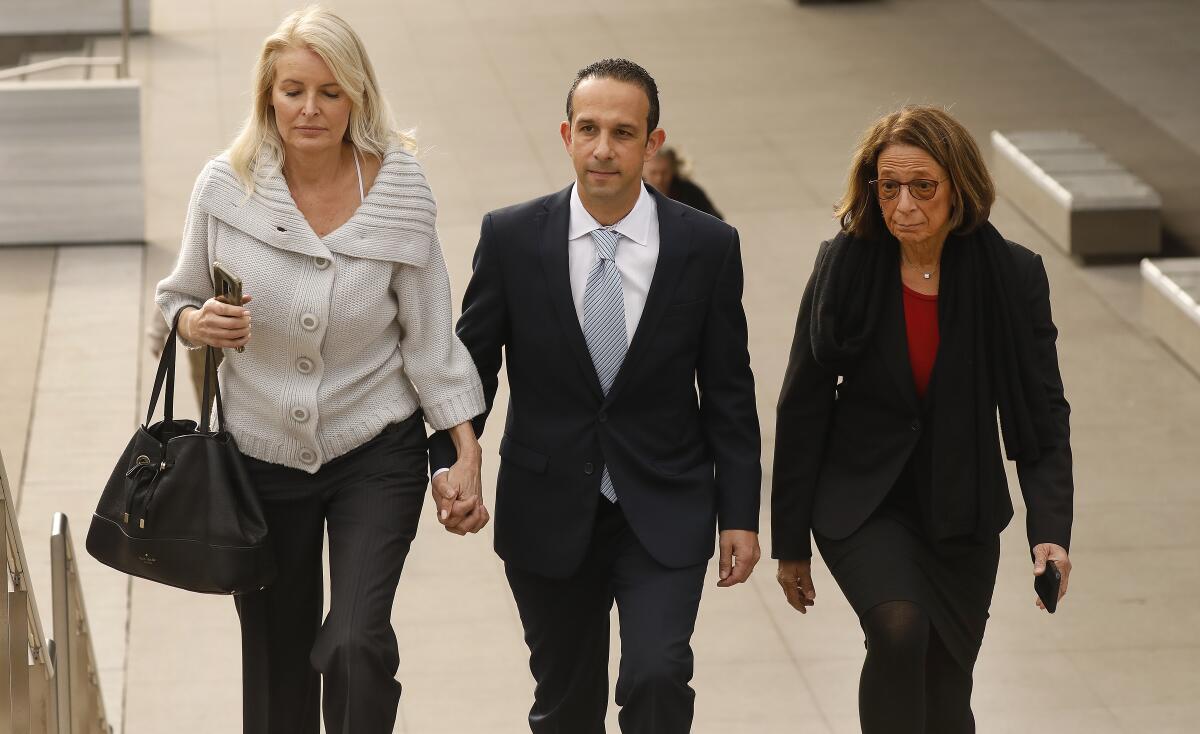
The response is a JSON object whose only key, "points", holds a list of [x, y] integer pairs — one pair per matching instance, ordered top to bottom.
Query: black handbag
{"points": [[179, 507]]}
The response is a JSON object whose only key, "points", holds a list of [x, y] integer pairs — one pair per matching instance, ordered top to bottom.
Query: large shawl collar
{"points": [[395, 223]]}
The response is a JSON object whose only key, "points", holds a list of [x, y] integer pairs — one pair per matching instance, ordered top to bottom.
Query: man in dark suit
{"points": [[613, 305]]}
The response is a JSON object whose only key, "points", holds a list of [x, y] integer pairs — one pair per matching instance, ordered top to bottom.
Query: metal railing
{"points": [[126, 21], [121, 63], [21, 73], [27, 674], [45, 687], [80, 705]]}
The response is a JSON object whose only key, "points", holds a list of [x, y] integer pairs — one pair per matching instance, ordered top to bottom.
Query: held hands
{"points": [[217, 324], [458, 495], [1051, 552], [739, 553], [796, 579]]}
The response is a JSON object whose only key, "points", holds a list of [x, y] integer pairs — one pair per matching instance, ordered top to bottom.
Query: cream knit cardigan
{"points": [[351, 332]]}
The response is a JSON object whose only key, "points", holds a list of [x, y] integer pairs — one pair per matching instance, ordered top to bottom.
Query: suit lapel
{"points": [[552, 243], [674, 248], [893, 343]]}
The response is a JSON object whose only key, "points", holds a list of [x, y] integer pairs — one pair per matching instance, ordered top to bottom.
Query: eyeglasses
{"points": [[920, 188]]}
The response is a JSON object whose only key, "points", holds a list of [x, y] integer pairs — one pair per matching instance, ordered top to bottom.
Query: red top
{"points": [[921, 322]]}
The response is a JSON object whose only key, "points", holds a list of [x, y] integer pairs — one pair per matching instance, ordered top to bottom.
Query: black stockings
{"points": [[910, 683]]}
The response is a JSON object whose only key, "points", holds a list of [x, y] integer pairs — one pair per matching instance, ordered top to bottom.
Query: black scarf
{"points": [[987, 358]]}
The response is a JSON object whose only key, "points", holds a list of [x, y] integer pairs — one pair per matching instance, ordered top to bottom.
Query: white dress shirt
{"points": [[636, 258]]}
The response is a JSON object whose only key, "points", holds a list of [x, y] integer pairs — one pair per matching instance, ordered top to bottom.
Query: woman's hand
{"points": [[217, 324], [459, 491], [459, 494], [1051, 552], [796, 579]]}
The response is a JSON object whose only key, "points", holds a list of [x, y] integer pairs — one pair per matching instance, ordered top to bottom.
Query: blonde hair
{"points": [[371, 129], [941, 136]]}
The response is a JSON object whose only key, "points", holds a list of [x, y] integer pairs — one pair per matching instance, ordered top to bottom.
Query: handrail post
{"points": [[126, 21], [60, 594], [17, 656], [6, 669], [29, 696], [80, 703]]}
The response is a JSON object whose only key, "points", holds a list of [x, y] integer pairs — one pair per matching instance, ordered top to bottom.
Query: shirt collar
{"points": [[634, 227]]}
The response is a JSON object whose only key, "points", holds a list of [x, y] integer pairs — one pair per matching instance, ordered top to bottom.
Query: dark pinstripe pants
{"points": [[371, 500], [566, 625]]}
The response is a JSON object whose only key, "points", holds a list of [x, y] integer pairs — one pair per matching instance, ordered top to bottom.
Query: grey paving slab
{"points": [[1135, 50], [25, 276], [83, 415], [183, 662], [1165, 677], [1166, 719]]}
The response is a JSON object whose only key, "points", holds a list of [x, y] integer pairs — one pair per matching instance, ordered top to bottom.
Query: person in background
{"points": [[667, 172], [322, 209], [920, 322]]}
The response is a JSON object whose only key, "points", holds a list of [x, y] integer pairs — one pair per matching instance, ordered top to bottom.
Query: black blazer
{"points": [[686, 191], [839, 448], [680, 462]]}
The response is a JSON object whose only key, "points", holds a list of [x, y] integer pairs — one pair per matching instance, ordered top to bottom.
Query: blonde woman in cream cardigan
{"points": [[321, 209]]}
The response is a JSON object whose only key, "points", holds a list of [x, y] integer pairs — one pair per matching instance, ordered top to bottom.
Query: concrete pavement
{"points": [[768, 97]]}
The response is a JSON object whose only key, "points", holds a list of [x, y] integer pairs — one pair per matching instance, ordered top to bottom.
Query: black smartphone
{"points": [[229, 287], [1047, 585]]}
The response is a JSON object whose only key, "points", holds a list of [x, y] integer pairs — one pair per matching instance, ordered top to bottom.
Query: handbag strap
{"points": [[166, 371], [212, 380]]}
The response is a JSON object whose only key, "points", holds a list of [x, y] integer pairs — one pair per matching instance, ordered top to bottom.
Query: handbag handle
{"points": [[166, 370], [166, 373], [213, 379]]}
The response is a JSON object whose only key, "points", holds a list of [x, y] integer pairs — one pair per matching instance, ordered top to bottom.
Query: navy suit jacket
{"points": [[679, 428]]}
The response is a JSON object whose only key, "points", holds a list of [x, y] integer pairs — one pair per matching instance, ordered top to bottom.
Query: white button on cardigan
{"points": [[383, 328]]}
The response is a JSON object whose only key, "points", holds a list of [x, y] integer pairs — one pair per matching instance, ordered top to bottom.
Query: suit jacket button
{"points": [[603, 417], [915, 425], [588, 468]]}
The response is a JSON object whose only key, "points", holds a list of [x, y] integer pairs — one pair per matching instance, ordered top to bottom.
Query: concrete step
{"points": [[1087, 203], [1171, 305]]}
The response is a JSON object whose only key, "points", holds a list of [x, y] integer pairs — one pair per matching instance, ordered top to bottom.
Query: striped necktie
{"points": [[604, 322]]}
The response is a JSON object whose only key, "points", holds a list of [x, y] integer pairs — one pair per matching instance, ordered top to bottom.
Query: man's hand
{"points": [[444, 495], [459, 497], [1051, 552], [739, 553], [796, 579]]}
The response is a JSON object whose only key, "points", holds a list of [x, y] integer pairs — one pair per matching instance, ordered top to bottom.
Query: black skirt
{"points": [[890, 558]]}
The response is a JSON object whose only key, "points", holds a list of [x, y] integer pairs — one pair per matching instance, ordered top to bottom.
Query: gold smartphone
{"points": [[229, 287]]}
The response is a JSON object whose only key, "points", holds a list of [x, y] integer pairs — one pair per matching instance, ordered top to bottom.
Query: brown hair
{"points": [[941, 136], [681, 167]]}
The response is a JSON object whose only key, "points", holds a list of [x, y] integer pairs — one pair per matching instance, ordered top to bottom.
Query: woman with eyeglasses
{"points": [[919, 325]]}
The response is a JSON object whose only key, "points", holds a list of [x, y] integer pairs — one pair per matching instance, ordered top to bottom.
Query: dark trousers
{"points": [[371, 500], [567, 630]]}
